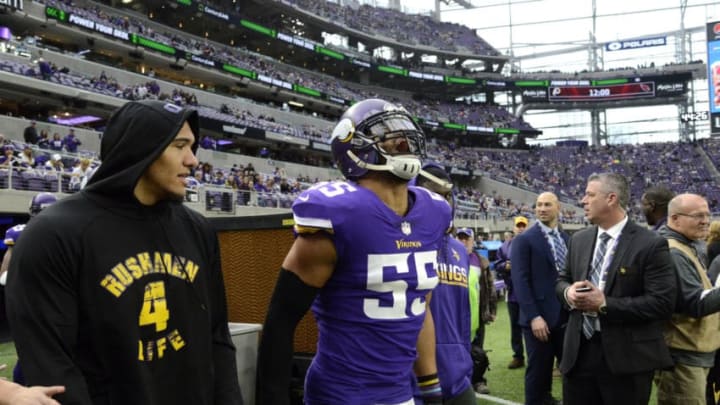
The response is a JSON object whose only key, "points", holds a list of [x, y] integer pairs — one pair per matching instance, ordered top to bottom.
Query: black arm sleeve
{"points": [[289, 303]]}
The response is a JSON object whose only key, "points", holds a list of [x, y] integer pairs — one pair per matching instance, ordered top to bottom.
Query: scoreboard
{"points": [[597, 91], [610, 92]]}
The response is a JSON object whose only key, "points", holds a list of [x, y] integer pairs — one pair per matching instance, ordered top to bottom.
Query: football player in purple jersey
{"points": [[39, 202], [365, 259], [450, 303]]}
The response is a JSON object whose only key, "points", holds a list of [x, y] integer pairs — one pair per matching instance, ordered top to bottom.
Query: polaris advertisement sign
{"points": [[635, 43]]}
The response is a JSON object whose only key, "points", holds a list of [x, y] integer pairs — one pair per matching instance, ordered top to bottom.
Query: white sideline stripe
{"points": [[496, 399]]}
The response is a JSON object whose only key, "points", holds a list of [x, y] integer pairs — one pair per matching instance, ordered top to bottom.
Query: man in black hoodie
{"points": [[117, 292]]}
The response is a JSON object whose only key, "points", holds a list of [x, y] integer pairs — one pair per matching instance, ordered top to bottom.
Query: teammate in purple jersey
{"points": [[39, 202], [11, 237], [364, 258], [449, 306]]}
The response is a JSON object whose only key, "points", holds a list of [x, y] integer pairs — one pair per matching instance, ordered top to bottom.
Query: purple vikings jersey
{"points": [[13, 234], [450, 309], [371, 310]]}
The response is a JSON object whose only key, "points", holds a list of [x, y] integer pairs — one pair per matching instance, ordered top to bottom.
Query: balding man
{"points": [[536, 256], [620, 284], [693, 334]]}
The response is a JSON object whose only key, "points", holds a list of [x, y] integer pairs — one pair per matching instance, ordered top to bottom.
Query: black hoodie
{"points": [[123, 303]]}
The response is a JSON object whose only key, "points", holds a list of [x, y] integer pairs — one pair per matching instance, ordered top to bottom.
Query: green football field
{"points": [[8, 357], [504, 383]]}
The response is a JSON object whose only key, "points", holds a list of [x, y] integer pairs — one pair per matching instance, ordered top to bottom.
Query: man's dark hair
{"points": [[659, 196]]}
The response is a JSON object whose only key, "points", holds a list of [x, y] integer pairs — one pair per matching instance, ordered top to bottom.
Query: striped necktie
{"points": [[560, 249], [594, 277]]}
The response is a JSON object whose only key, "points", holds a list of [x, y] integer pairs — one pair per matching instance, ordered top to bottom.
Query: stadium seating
{"points": [[401, 27], [476, 115], [543, 169]]}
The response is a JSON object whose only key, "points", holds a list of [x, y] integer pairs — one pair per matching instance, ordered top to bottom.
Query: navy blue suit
{"points": [[534, 273]]}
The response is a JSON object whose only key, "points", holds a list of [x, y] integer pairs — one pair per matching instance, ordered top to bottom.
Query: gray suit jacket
{"points": [[640, 294]]}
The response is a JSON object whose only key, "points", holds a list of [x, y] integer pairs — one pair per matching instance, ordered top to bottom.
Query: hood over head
{"points": [[136, 135]]}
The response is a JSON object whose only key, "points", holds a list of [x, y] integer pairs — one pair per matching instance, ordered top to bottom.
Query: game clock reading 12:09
{"points": [[597, 93]]}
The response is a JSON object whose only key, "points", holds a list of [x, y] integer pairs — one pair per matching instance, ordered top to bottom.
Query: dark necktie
{"points": [[560, 249], [594, 276]]}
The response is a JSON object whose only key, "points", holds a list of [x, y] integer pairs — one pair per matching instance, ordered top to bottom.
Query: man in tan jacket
{"points": [[693, 334]]}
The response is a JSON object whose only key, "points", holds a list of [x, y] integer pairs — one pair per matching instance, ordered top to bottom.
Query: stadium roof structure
{"points": [[595, 38], [535, 59]]}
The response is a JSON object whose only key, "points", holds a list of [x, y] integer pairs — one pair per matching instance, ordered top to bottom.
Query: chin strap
{"points": [[403, 166]]}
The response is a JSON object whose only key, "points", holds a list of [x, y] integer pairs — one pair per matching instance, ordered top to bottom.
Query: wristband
{"points": [[430, 390]]}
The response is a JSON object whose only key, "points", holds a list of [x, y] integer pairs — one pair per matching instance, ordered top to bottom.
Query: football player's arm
{"points": [[5, 264], [306, 268], [42, 308], [425, 363], [425, 366], [226, 386]]}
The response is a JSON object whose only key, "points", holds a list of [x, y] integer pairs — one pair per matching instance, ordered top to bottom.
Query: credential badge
{"points": [[405, 227]]}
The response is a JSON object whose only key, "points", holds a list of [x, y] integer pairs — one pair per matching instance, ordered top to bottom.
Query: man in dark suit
{"points": [[536, 256], [621, 287]]}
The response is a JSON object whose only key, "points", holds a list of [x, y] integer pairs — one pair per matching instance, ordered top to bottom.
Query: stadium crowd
{"points": [[404, 28], [469, 114], [537, 170], [552, 173]]}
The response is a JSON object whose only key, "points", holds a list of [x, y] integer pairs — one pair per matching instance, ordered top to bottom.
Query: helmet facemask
{"points": [[396, 141]]}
